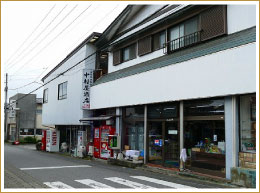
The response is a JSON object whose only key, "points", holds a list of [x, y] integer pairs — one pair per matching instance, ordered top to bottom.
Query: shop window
{"points": [[159, 40], [129, 53], [62, 91], [45, 95], [162, 111], [248, 123], [134, 128], [26, 131], [38, 131], [204, 135]]}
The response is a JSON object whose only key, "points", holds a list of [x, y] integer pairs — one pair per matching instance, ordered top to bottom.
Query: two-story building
{"points": [[183, 77], [178, 79], [66, 92], [24, 117]]}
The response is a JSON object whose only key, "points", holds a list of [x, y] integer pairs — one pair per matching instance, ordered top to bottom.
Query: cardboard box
{"points": [[127, 147]]}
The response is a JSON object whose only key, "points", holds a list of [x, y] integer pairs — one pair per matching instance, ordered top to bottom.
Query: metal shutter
{"points": [[213, 22], [145, 45], [116, 57]]}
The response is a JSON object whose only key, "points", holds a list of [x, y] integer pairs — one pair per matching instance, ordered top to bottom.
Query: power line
{"points": [[46, 27], [31, 34], [49, 43], [37, 44], [68, 68], [57, 76]]}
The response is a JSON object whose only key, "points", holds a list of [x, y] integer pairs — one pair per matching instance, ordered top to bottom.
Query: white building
{"points": [[183, 76], [63, 104]]}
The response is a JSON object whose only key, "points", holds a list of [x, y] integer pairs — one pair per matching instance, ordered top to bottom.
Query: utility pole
{"points": [[5, 106]]}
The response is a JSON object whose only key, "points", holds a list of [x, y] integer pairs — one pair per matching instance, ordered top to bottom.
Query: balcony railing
{"points": [[181, 42]]}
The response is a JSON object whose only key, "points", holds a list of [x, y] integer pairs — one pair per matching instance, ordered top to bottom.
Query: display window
{"points": [[248, 123], [134, 128], [204, 135]]}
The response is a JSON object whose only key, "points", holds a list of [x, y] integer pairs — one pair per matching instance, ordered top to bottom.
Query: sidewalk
{"points": [[190, 174]]}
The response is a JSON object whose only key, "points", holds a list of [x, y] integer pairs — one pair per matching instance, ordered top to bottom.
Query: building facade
{"points": [[183, 77], [170, 79], [65, 99], [24, 117]]}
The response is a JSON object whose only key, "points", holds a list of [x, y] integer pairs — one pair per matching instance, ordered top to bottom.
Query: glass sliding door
{"points": [[163, 134], [155, 142], [171, 144]]}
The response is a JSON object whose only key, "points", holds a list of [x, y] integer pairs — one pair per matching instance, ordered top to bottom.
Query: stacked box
{"points": [[247, 160]]}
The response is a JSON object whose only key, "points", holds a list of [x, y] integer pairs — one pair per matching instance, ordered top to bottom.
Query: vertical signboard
{"points": [[86, 84], [12, 108]]}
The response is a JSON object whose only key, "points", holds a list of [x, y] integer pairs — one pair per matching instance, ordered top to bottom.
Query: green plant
{"points": [[30, 139]]}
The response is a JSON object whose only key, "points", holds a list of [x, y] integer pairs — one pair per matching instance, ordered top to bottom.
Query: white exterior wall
{"points": [[147, 11], [240, 17], [235, 22], [137, 60], [227, 72], [67, 111]]}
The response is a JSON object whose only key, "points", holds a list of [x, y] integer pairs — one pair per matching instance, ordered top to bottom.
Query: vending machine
{"points": [[43, 140], [52, 140], [97, 142], [101, 142], [105, 150]]}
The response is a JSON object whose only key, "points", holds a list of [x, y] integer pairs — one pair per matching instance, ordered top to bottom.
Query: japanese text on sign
{"points": [[86, 84]]}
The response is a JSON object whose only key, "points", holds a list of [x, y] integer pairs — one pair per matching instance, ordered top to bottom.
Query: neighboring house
{"points": [[183, 76], [65, 99], [26, 118]]}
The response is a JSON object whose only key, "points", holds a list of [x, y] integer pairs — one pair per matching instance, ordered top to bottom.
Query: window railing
{"points": [[181, 42]]}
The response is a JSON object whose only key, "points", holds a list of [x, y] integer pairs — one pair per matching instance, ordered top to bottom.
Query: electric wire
{"points": [[28, 37], [50, 42], [37, 44], [67, 69]]}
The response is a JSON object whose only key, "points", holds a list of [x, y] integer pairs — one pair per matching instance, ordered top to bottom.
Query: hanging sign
{"points": [[86, 84], [12, 108]]}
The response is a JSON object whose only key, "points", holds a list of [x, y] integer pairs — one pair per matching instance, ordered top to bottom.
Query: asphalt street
{"points": [[58, 171]]}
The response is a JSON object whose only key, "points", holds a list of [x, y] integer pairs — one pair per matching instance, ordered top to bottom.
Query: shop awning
{"points": [[100, 118]]}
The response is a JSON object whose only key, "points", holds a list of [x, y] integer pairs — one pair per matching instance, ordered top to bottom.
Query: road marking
{"points": [[56, 167], [162, 182], [128, 183], [93, 184], [58, 185]]}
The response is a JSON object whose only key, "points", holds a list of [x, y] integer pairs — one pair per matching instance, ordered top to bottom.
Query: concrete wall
{"points": [[223, 73], [67, 111], [26, 116]]}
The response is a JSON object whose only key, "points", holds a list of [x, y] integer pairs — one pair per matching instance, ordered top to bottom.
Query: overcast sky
{"points": [[36, 36]]}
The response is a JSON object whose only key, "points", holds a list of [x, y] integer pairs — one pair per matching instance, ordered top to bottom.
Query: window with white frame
{"points": [[62, 91], [45, 95]]}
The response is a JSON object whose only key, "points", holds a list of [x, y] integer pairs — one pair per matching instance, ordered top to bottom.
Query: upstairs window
{"points": [[183, 34], [159, 40], [129, 53], [62, 91], [45, 95]]}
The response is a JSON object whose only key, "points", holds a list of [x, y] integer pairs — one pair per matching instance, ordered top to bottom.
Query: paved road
{"points": [[58, 171]]}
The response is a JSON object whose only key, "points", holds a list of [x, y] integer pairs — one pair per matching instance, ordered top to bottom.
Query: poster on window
{"points": [[86, 84]]}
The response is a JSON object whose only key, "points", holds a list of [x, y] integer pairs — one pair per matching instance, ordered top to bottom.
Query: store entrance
{"points": [[163, 143]]}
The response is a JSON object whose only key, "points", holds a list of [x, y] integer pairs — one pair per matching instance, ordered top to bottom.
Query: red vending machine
{"points": [[44, 140], [97, 142], [105, 151]]}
